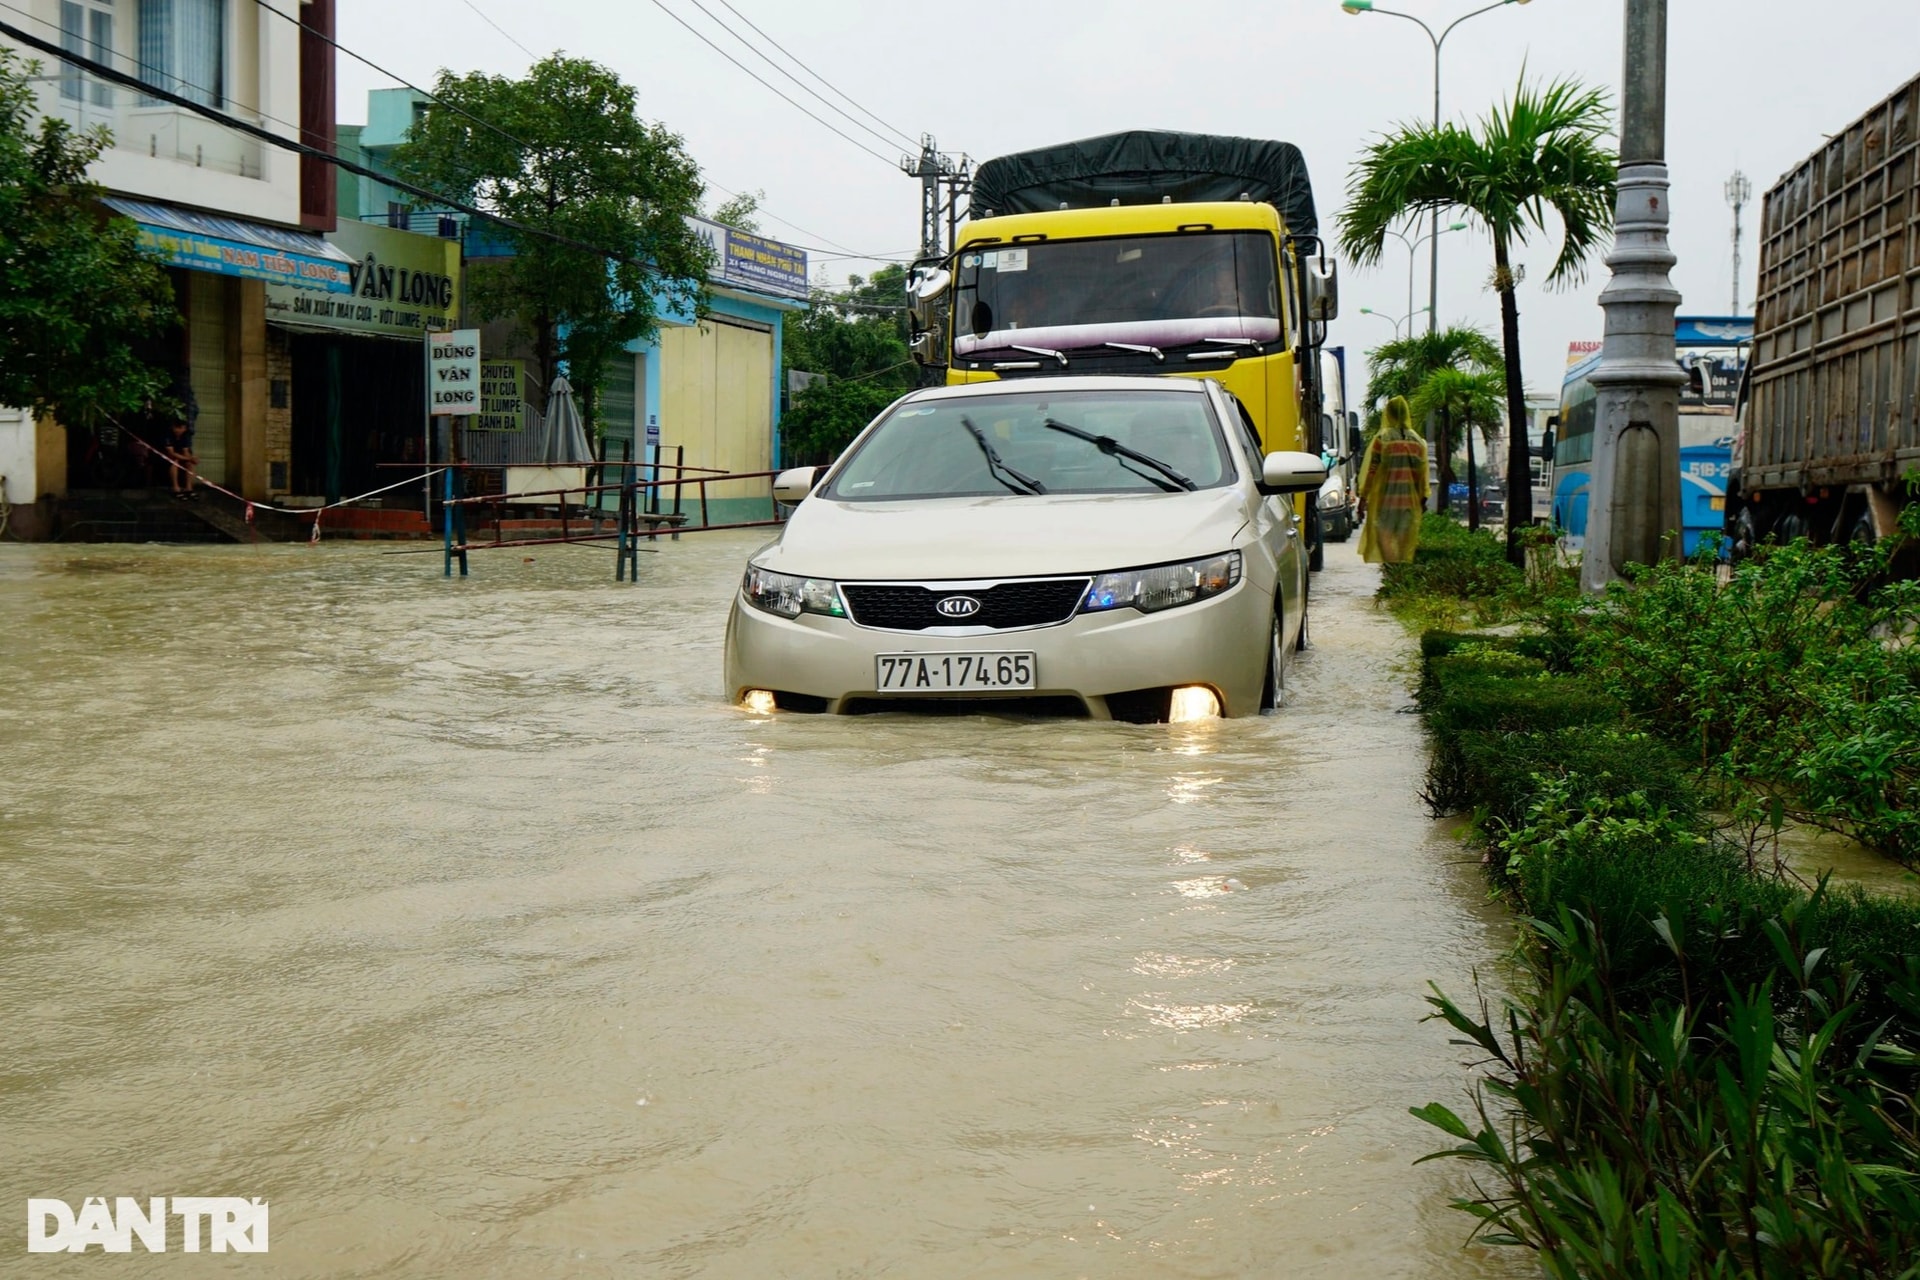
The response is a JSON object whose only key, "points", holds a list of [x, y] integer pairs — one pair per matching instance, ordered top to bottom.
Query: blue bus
{"points": [[1713, 352]]}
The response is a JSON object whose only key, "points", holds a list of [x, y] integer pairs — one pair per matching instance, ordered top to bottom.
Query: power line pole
{"points": [[930, 167], [1739, 191], [1633, 515]]}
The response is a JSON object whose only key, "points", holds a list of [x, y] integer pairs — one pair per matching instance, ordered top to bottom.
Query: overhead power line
{"points": [[502, 30], [701, 36], [761, 54], [794, 58], [398, 79], [252, 130]]}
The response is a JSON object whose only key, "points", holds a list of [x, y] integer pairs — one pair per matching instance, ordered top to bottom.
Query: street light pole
{"points": [[1433, 252], [1634, 513]]}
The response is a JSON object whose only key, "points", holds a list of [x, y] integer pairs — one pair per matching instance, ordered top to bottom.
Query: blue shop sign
{"points": [[231, 247]]}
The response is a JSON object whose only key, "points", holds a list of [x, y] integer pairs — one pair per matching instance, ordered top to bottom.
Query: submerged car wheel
{"points": [[1275, 683]]}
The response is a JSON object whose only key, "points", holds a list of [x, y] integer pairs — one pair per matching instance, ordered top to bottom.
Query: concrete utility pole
{"points": [[1739, 191], [1633, 513]]}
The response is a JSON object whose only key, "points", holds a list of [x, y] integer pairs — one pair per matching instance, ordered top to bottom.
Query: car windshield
{"points": [[1159, 290], [1038, 443]]}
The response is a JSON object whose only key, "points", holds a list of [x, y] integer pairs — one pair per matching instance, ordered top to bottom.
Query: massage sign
{"points": [[453, 372]]}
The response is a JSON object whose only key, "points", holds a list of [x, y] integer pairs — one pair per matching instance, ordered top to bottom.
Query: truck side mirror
{"points": [[925, 287], [1323, 289], [925, 347], [1356, 443], [1546, 445]]}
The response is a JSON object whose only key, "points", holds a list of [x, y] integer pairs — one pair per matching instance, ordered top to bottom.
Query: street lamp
{"points": [[1357, 7], [1412, 246], [1407, 319]]}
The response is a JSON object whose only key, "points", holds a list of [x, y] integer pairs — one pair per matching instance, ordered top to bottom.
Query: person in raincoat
{"points": [[1393, 488]]}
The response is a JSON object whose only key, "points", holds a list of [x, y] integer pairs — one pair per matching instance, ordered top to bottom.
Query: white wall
{"points": [[168, 154], [16, 456]]}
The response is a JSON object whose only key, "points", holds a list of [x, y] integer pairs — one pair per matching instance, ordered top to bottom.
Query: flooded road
{"points": [[464, 923]]}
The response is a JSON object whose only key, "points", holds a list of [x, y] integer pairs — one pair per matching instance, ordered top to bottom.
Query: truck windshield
{"points": [[1160, 291], [1134, 441]]}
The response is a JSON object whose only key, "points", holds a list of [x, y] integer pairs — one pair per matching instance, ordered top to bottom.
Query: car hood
{"points": [[1011, 537]]}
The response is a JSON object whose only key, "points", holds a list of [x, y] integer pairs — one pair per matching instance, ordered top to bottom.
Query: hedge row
{"points": [[1709, 1070]]}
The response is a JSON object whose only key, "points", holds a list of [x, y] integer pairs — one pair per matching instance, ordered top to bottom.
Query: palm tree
{"points": [[1541, 150], [1402, 367], [1470, 400]]}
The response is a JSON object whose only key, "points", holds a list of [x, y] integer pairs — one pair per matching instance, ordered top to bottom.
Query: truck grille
{"points": [[1028, 602]]}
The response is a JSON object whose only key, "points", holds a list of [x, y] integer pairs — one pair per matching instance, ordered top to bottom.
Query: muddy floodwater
{"points": [[465, 924]]}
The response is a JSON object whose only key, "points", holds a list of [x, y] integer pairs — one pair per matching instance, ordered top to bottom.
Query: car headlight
{"points": [[1164, 586], [790, 596]]}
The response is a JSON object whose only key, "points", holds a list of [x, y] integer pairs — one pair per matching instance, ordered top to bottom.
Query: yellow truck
{"points": [[1142, 253]]}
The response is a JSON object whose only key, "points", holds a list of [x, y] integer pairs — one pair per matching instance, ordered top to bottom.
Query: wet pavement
{"points": [[465, 923]]}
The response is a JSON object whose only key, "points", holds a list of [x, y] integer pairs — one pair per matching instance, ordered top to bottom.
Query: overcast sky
{"points": [[1753, 84]]}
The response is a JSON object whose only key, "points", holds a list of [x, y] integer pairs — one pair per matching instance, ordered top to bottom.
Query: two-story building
{"points": [[231, 216]]}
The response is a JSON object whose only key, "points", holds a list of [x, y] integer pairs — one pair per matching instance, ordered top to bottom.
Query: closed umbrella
{"points": [[566, 442]]}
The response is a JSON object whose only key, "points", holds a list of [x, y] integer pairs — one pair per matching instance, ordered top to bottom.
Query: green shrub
{"points": [[1790, 676], [1468, 699], [1501, 775], [1766, 1130]]}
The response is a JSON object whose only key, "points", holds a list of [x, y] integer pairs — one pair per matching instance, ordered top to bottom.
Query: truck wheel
{"points": [[1860, 533]]}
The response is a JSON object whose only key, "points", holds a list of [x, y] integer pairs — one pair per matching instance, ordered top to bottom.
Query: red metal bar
{"points": [[603, 537]]}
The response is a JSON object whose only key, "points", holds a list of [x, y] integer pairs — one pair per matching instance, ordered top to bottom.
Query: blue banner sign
{"points": [[230, 247], [751, 262]]}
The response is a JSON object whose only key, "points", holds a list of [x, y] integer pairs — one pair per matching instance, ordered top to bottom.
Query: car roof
{"points": [[1064, 382]]}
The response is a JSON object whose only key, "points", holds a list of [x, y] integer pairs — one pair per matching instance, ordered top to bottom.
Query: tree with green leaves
{"points": [[1544, 149], [602, 194], [741, 212], [76, 292], [856, 340], [1402, 367], [1470, 400]]}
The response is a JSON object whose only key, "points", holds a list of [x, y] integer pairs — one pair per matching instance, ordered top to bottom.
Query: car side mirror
{"points": [[1323, 289], [1291, 472], [795, 483]]}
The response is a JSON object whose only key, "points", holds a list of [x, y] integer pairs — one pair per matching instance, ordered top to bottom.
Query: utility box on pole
{"points": [[1634, 509]]}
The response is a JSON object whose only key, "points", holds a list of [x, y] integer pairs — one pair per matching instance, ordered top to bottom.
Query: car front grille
{"points": [[1026, 602]]}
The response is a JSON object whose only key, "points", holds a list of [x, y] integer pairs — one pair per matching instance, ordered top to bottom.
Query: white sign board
{"points": [[453, 372]]}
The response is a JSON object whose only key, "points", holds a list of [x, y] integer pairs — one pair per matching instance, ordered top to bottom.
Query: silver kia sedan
{"points": [[1114, 547]]}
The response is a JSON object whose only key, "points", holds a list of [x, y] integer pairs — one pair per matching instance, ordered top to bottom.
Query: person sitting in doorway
{"points": [[177, 447]]}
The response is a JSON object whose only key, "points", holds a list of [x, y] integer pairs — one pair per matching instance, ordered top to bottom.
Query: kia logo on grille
{"points": [[957, 607]]}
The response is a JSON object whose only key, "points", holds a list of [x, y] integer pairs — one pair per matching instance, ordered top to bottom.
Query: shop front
{"points": [[214, 363], [349, 374]]}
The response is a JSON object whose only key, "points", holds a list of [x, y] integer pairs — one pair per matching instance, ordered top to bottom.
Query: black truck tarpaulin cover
{"points": [[1143, 166]]}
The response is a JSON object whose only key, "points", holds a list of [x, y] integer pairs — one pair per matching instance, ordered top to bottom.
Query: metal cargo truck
{"points": [[1145, 253], [1828, 423]]}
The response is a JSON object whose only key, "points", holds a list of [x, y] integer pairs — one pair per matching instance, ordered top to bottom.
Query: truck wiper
{"points": [[1230, 342], [1140, 347], [1048, 352], [1018, 481], [1173, 482]]}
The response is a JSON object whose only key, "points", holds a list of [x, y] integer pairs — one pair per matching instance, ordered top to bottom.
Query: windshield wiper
{"points": [[1140, 347], [1048, 352], [1174, 480], [1018, 481]]}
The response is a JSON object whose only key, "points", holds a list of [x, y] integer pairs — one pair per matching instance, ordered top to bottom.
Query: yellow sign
{"points": [[503, 396]]}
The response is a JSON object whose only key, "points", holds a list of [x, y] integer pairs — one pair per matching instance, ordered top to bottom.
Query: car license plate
{"points": [[952, 672]]}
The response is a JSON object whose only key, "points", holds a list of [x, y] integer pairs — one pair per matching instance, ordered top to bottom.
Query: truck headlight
{"points": [[1164, 586], [790, 596]]}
